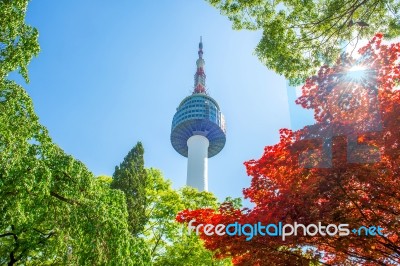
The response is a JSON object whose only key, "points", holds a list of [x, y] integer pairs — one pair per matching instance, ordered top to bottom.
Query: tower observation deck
{"points": [[198, 129]]}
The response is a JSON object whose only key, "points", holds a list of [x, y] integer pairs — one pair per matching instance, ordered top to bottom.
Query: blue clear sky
{"points": [[112, 73]]}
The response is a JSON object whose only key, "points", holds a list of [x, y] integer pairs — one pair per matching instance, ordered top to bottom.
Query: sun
{"points": [[357, 73]]}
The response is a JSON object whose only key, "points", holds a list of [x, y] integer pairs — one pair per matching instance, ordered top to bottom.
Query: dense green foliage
{"points": [[299, 36], [18, 41], [130, 177], [54, 211], [169, 241]]}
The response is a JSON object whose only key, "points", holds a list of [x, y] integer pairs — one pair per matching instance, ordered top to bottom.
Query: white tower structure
{"points": [[198, 129]]}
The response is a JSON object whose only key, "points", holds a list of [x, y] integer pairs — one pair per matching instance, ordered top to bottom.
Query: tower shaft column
{"points": [[197, 170]]}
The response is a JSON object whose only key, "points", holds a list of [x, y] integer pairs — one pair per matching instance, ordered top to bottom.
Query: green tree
{"points": [[299, 36], [18, 41], [130, 177], [53, 210], [168, 241]]}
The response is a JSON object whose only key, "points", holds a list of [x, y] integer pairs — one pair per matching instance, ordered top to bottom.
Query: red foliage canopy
{"points": [[343, 169]]}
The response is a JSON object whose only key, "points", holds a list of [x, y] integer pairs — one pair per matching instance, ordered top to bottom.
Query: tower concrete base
{"points": [[197, 170]]}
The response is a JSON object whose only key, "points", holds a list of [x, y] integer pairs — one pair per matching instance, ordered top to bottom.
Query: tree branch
{"points": [[69, 201], [7, 234]]}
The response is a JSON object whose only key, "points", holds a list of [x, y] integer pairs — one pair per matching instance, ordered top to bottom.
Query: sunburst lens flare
{"points": [[357, 73]]}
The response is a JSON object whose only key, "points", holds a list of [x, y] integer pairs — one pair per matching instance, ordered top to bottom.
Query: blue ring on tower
{"points": [[198, 114]]}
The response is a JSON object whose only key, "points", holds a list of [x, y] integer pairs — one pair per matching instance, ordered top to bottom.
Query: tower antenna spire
{"points": [[200, 76]]}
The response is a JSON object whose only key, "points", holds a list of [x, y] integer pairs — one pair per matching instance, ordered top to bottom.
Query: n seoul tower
{"points": [[198, 129]]}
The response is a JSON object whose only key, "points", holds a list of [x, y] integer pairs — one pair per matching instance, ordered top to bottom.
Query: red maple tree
{"points": [[343, 169]]}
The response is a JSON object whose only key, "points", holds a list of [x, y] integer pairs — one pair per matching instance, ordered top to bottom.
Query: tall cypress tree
{"points": [[131, 177]]}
